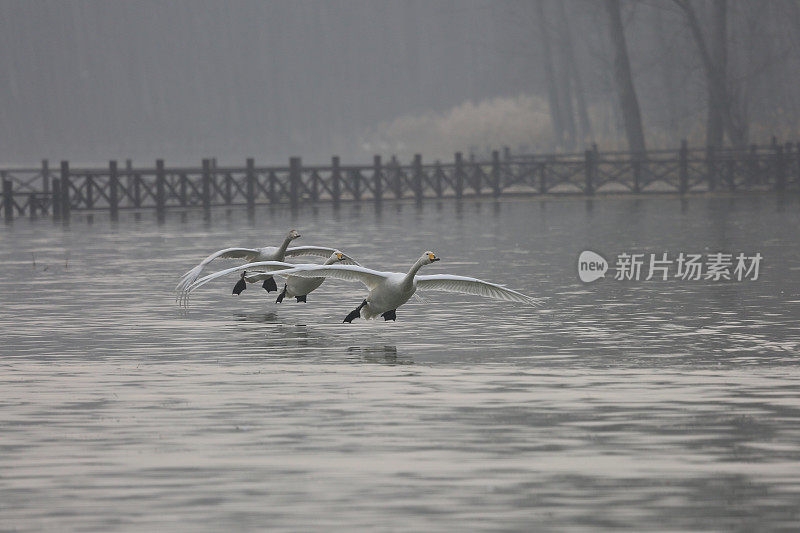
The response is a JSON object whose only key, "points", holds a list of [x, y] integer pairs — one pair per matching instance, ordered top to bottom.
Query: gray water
{"points": [[649, 405]]}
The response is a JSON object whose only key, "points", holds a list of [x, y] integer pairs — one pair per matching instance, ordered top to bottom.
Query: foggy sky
{"points": [[93, 80]]}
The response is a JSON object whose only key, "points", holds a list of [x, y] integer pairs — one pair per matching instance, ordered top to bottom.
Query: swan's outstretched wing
{"points": [[317, 251], [264, 266], [190, 276], [259, 276], [367, 276], [478, 287]]}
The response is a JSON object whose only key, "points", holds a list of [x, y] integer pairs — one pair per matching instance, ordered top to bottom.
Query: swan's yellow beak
{"points": [[340, 256], [432, 257]]}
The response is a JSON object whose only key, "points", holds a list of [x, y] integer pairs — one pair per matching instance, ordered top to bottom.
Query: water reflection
{"points": [[259, 318], [387, 355]]}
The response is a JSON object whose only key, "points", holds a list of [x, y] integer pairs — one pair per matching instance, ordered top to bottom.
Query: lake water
{"points": [[641, 405]]}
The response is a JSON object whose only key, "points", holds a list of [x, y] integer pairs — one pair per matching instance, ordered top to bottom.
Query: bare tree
{"points": [[719, 49], [666, 72], [572, 74], [550, 75], [629, 103], [722, 112]]}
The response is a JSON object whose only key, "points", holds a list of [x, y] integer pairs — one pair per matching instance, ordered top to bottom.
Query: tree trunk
{"points": [[719, 50], [549, 71], [668, 77], [569, 82], [720, 99], [629, 103]]}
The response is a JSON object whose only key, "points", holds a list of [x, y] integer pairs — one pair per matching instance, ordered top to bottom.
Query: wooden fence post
{"points": [[588, 162], [683, 167], [295, 168], [711, 168], [780, 169], [496, 173], [458, 174], [437, 175], [45, 176], [355, 176], [336, 177], [418, 177], [543, 177], [377, 178], [160, 179], [88, 180], [251, 183], [397, 183], [206, 184], [65, 186], [137, 186], [183, 189], [113, 190], [56, 198], [8, 200], [33, 202]]}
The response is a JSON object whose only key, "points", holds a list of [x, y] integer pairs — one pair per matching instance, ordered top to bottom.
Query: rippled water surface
{"points": [[623, 405]]}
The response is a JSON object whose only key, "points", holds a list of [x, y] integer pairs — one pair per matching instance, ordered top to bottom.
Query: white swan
{"points": [[268, 253], [297, 287], [390, 290]]}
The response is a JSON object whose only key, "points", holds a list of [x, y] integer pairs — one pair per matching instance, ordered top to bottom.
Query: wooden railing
{"points": [[45, 191]]}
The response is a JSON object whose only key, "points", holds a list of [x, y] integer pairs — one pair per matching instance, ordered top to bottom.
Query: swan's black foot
{"points": [[240, 285], [269, 285], [281, 295], [301, 298], [355, 313], [390, 315]]}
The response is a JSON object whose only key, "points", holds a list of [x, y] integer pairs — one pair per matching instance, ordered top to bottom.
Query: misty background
{"points": [[93, 80]]}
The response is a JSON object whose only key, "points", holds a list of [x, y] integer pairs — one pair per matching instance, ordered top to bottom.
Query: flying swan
{"points": [[250, 255], [295, 287], [390, 290]]}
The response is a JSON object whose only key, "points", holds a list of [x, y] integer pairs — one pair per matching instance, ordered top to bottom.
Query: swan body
{"points": [[250, 255], [263, 266], [295, 286], [299, 287], [390, 290]]}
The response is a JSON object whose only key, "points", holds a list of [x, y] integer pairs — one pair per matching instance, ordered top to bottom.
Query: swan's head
{"points": [[293, 235], [336, 257], [429, 257]]}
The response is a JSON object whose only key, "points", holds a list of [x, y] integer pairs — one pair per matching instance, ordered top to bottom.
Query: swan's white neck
{"points": [[283, 247], [414, 269]]}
